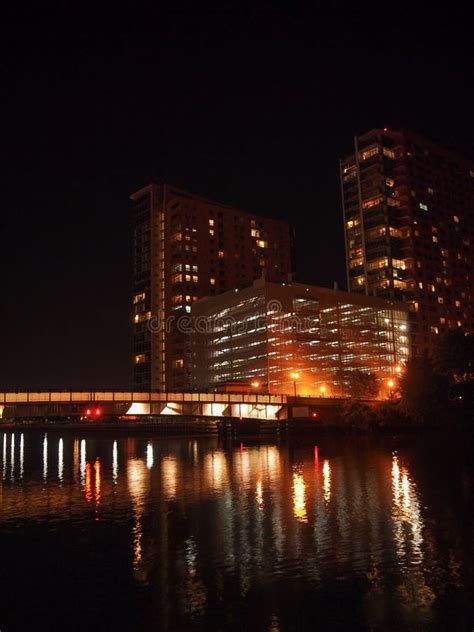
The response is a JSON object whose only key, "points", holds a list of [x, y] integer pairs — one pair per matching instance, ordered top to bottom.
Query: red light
{"points": [[88, 411], [97, 412], [314, 414]]}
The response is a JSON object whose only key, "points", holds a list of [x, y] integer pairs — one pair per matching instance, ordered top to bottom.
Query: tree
{"points": [[453, 355], [360, 384], [423, 390]]}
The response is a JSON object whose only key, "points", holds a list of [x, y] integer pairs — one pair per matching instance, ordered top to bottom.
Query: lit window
{"points": [[388, 152], [368, 153], [389, 182], [430, 191], [372, 201], [424, 207], [456, 219], [211, 222], [352, 223], [211, 232], [254, 232], [177, 237], [435, 239], [261, 243], [220, 254], [188, 277], [177, 278], [195, 278], [212, 281], [420, 285], [139, 298], [177, 298], [188, 298], [440, 300], [458, 303], [139, 318], [442, 320], [459, 323], [434, 330], [139, 358], [179, 363]]}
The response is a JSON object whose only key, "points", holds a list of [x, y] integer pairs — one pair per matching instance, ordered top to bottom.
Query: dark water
{"points": [[102, 532]]}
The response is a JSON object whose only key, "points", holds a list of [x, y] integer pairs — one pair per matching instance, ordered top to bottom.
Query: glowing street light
{"points": [[398, 369], [295, 376], [255, 384], [391, 384], [322, 390]]}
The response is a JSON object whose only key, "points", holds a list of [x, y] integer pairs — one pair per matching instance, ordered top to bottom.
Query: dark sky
{"points": [[252, 107]]}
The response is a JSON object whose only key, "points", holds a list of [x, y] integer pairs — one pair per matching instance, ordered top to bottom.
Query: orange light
{"points": [[398, 369], [295, 375], [390, 383], [255, 384], [322, 389]]}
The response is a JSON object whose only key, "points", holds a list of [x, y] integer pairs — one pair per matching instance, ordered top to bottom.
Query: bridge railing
{"points": [[37, 397]]}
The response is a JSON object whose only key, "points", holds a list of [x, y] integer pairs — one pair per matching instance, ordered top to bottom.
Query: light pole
{"points": [[294, 376], [391, 386]]}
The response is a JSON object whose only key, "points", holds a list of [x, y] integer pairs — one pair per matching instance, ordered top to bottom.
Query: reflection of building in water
{"points": [[22, 454], [45, 456], [60, 459], [115, 463], [169, 473], [327, 481], [138, 486], [299, 502], [253, 511], [408, 523]]}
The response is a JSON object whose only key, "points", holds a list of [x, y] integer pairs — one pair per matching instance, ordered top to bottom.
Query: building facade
{"points": [[408, 209], [187, 247], [287, 336]]}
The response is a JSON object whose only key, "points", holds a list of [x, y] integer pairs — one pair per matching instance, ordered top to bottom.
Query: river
{"points": [[102, 531]]}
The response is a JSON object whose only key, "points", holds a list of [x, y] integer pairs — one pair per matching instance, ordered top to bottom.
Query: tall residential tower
{"points": [[408, 210], [185, 248]]}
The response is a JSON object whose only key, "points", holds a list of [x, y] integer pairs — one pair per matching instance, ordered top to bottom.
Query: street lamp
{"points": [[295, 376], [255, 384], [391, 386], [322, 390]]}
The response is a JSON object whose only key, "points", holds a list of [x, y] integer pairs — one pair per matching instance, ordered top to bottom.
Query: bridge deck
{"points": [[60, 397]]}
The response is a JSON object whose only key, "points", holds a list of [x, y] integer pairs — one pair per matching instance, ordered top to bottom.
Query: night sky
{"points": [[252, 107]]}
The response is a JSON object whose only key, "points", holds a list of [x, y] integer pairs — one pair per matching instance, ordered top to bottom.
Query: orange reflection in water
{"points": [[169, 472], [326, 481], [299, 497], [406, 513]]}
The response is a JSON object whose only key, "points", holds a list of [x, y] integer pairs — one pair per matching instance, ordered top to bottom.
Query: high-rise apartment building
{"points": [[408, 209], [185, 248], [278, 334]]}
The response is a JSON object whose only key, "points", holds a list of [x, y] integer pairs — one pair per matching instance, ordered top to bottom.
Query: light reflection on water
{"points": [[205, 526]]}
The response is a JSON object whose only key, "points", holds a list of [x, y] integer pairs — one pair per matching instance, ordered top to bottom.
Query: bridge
{"points": [[133, 404], [140, 405]]}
